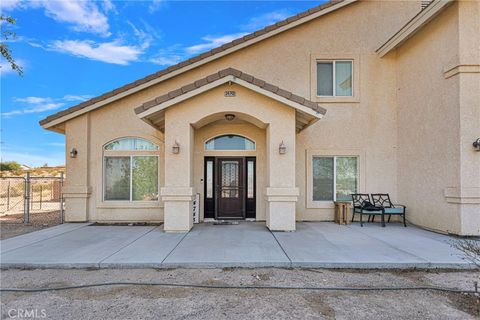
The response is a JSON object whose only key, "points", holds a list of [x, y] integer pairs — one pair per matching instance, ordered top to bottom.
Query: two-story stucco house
{"points": [[350, 96]]}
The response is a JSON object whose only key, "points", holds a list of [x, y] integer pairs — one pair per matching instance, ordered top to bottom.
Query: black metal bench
{"points": [[383, 200], [363, 205]]}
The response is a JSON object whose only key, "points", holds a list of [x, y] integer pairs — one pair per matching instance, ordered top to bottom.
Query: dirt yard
{"points": [[12, 225], [154, 302]]}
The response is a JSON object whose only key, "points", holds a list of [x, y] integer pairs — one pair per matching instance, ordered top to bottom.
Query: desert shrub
{"points": [[10, 166]]}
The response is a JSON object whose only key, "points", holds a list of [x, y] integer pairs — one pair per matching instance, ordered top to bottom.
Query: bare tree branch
{"points": [[6, 35], [470, 249]]}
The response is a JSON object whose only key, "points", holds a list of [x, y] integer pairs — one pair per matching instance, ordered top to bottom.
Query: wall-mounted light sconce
{"points": [[229, 117], [476, 144], [176, 148], [282, 149], [73, 153]]}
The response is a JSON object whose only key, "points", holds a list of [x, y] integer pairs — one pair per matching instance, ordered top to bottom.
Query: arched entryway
{"points": [[209, 103], [229, 169]]}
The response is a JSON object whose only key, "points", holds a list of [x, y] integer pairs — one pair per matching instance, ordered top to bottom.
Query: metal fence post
{"points": [[41, 191], [8, 196], [61, 198], [26, 218]]}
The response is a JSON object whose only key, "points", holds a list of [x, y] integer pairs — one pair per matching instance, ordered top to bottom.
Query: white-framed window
{"points": [[335, 78], [230, 142], [131, 144], [130, 170], [334, 177]]}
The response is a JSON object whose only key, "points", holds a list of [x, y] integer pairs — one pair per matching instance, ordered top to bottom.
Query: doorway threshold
{"points": [[225, 222]]}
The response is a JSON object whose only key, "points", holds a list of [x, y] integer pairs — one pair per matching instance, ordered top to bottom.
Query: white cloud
{"points": [[10, 4], [155, 5], [108, 6], [82, 15], [266, 19], [145, 38], [211, 42], [110, 52], [177, 53], [166, 60], [5, 67], [71, 97], [33, 100], [37, 100], [34, 104], [34, 109]]}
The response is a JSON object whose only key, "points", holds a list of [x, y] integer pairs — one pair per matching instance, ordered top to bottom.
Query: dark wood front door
{"points": [[230, 188]]}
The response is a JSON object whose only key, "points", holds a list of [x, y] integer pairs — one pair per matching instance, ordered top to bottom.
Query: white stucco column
{"points": [[281, 194], [177, 195]]}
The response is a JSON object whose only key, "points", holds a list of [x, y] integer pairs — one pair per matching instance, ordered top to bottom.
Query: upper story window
{"points": [[335, 78], [230, 142], [135, 144]]}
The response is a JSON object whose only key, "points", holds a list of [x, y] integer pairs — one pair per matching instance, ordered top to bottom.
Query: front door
{"points": [[230, 188]]}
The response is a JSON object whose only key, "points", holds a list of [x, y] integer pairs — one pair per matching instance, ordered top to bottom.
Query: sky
{"points": [[72, 51]]}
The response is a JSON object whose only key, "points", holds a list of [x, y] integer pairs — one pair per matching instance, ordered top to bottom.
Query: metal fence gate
{"points": [[31, 200]]}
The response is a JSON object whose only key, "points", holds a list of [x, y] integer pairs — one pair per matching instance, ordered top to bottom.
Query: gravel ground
{"points": [[154, 302]]}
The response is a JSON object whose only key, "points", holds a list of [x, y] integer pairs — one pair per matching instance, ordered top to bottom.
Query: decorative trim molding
{"points": [[461, 68], [76, 191], [276, 194], [462, 195]]}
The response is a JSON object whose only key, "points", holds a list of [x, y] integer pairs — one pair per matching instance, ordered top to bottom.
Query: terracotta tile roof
{"points": [[192, 60], [238, 74]]}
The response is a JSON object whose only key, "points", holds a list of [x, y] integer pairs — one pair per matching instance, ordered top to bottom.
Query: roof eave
{"points": [[411, 27], [112, 96], [159, 108]]}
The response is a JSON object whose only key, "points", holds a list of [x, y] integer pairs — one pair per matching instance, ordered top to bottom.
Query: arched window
{"points": [[230, 142], [125, 144], [130, 170]]}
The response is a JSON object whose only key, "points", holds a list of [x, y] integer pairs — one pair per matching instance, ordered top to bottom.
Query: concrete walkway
{"points": [[248, 244]]}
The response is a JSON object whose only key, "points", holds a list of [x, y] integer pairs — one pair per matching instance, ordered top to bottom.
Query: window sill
{"points": [[336, 99], [130, 205], [320, 205]]}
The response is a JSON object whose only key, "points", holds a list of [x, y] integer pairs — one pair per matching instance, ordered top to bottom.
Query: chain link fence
{"points": [[31, 200]]}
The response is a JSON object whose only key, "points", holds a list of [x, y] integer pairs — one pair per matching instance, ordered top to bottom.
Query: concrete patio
{"points": [[248, 244]]}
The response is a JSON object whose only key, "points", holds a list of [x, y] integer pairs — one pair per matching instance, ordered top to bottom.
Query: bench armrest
{"points": [[398, 205]]}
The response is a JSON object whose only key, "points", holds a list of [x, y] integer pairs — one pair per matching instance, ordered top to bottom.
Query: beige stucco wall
{"points": [[438, 119], [365, 123]]}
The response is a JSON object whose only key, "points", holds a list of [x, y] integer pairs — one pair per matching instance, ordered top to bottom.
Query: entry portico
{"points": [[252, 106]]}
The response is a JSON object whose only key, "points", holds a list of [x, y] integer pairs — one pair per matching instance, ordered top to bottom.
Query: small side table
{"points": [[342, 212]]}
